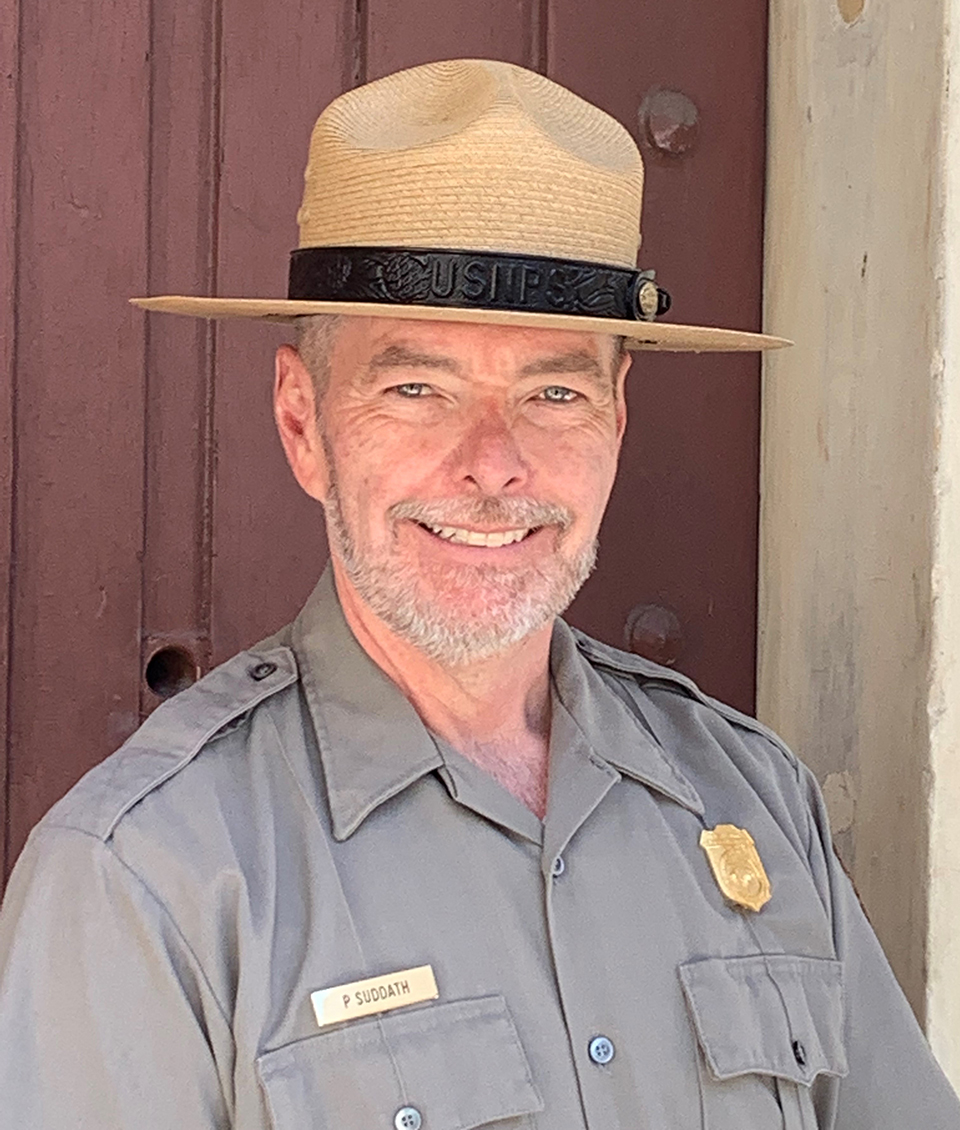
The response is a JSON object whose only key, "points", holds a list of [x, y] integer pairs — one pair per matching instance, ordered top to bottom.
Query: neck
{"points": [[496, 711]]}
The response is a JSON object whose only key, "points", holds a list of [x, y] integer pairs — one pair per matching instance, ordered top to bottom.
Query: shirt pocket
{"points": [[768, 1026], [458, 1064]]}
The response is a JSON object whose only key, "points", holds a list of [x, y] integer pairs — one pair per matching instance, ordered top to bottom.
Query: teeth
{"points": [[494, 539]]}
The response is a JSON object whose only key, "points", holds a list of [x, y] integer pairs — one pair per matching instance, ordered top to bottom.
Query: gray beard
{"points": [[517, 602]]}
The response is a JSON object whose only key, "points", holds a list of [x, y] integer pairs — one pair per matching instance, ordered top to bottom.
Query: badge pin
{"points": [[736, 865], [374, 994]]}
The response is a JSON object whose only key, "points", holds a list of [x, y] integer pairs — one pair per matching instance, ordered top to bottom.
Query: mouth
{"points": [[487, 539]]}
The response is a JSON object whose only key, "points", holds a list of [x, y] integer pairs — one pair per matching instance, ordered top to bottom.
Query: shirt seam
{"points": [[639, 670], [194, 750], [296, 776], [161, 906]]}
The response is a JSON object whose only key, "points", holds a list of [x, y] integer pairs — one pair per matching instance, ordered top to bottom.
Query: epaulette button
{"points": [[262, 671]]}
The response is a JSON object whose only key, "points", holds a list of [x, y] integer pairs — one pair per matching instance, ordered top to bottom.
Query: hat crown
{"points": [[474, 155]]}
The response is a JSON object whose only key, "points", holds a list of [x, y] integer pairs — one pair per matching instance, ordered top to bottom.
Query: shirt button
{"points": [[262, 671], [558, 867], [600, 1049], [799, 1053], [407, 1118]]}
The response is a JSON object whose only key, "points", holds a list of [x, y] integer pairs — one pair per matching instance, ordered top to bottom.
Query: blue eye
{"points": [[412, 389], [557, 394]]}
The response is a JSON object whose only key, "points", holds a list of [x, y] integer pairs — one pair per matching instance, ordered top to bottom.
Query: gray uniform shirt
{"points": [[288, 825]]}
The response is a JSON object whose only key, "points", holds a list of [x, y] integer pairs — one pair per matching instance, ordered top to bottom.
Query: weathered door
{"points": [[149, 524]]}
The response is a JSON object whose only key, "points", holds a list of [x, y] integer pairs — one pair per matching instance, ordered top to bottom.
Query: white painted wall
{"points": [[860, 528], [943, 936]]}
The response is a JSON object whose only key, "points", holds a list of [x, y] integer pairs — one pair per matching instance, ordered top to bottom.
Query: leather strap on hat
{"points": [[474, 280]]}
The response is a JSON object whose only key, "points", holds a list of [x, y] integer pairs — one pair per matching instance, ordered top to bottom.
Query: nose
{"points": [[488, 459]]}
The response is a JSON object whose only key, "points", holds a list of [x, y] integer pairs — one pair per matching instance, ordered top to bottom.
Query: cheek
{"points": [[377, 439], [383, 464], [579, 468], [597, 492]]}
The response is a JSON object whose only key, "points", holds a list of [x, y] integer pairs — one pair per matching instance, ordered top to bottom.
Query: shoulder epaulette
{"points": [[646, 671], [172, 737]]}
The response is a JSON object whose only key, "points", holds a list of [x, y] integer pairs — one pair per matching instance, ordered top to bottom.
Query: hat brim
{"points": [[666, 336]]}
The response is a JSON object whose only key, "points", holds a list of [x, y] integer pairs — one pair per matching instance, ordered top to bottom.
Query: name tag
{"points": [[375, 994]]}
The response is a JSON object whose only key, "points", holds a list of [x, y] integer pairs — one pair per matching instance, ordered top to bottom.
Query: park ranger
{"points": [[428, 857]]}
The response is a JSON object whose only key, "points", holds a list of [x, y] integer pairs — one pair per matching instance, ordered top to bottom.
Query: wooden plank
{"points": [[401, 34], [277, 75], [9, 111], [183, 183], [77, 523], [682, 525]]}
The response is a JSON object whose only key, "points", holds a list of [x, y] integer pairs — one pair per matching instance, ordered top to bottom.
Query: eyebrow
{"points": [[402, 357], [576, 361]]}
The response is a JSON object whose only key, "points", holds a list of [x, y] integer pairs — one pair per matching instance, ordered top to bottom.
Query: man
{"points": [[428, 857]]}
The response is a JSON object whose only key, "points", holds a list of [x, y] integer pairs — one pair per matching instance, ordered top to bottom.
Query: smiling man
{"points": [[464, 472], [428, 857]]}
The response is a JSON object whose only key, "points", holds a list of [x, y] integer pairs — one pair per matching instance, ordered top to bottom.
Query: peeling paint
{"points": [[840, 797]]}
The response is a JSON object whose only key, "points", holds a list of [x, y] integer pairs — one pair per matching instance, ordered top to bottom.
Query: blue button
{"points": [[601, 1049], [407, 1118]]}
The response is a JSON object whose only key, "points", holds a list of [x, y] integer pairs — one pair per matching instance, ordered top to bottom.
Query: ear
{"points": [[621, 400], [295, 410]]}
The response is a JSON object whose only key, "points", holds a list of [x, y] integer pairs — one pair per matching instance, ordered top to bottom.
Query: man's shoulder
{"points": [[685, 696], [174, 736], [731, 760]]}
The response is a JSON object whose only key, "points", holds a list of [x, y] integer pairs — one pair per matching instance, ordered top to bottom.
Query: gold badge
{"points": [[736, 865], [374, 994]]}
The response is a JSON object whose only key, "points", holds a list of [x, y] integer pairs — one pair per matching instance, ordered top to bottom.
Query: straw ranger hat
{"points": [[473, 191]]}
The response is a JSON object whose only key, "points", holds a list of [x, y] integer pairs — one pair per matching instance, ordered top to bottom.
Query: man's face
{"points": [[464, 471]]}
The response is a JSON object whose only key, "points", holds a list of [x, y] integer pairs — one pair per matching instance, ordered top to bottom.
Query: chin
{"points": [[458, 636]]}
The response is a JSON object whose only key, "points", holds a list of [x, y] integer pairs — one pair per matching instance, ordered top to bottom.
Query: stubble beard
{"points": [[427, 608]]}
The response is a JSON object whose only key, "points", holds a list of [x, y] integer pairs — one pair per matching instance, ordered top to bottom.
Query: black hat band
{"points": [[479, 280]]}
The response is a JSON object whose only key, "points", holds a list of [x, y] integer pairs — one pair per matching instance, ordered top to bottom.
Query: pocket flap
{"points": [[771, 1014], [459, 1063]]}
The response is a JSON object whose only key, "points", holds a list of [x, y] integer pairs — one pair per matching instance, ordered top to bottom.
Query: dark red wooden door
{"points": [[158, 146]]}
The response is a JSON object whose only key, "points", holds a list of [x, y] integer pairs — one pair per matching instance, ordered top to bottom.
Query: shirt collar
{"points": [[609, 718], [372, 741], [373, 744], [476, 789]]}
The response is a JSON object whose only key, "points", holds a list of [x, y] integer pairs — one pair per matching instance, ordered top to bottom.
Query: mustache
{"points": [[487, 510]]}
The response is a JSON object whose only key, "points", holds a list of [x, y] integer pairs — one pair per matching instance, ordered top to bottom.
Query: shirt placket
{"points": [[579, 782]]}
